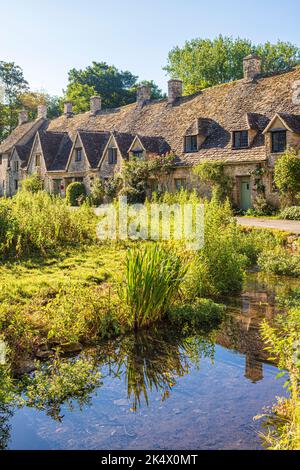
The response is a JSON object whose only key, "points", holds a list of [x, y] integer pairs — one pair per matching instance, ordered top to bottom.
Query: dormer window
{"points": [[240, 140], [278, 141], [191, 143], [137, 153], [78, 155], [112, 156], [38, 160]]}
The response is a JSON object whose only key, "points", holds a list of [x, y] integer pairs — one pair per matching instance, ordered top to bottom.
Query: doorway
{"points": [[245, 193]]}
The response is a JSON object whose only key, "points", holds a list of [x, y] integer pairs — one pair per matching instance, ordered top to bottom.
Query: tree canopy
{"points": [[203, 63], [12, 83], [116, 88]]}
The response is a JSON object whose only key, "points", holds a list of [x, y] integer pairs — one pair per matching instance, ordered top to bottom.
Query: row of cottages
{"points": [[245, 124]]}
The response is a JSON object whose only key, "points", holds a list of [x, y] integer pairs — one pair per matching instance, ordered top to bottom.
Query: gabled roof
{"points": [[289, 121], [18, 135], [124, 142], [50, 143], [94, 144], [154, 145], [23, 151], [61, 158]]}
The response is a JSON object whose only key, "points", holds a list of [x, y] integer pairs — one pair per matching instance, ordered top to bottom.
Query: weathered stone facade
{"points": [[246, 125]]}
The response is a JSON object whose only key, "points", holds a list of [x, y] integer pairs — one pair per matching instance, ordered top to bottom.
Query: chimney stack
{"points": [[252, 66], [174, 90], [143, 94], [95, 105], [68, 108], [42, 111], [23, 117]]}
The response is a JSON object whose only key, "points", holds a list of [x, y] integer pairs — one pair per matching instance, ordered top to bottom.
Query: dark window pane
{"points": [[240, 139], [278, 141], [191, 144], [78, 155], [112, 156]]}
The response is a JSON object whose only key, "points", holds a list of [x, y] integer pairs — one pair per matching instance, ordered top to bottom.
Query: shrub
{"points": [[213, 173], [287, 176], [33, 184], [97, 192], [75, 193], [261, 207], [291, 213], [253, 241], [280, 262], [218, 268], [153, 280], [290, 299], [200, 313]]}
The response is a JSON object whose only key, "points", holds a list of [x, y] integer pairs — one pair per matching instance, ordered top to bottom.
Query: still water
{"points": [[164, 390]]}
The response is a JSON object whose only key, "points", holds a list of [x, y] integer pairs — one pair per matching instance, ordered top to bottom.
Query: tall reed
{"points": [[153, 281]]}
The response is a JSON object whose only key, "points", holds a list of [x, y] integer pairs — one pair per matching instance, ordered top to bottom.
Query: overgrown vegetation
{"points": [[213, 173], [287, 177], [36, 223], [282, 423]]}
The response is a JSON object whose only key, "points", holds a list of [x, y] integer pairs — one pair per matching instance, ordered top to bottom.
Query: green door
{"points": [[245, 194]]}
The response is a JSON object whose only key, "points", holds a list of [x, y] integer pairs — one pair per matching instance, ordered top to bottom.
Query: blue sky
{"points": [[48, 38]]}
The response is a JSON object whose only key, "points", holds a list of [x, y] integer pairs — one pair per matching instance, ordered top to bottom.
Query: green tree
{"points": [[203, 63], [12, 83], [115, 87], [156, 92], [80, 94], [30, 100]]}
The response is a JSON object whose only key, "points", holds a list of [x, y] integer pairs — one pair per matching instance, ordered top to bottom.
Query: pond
{"points": [[165, 390]]}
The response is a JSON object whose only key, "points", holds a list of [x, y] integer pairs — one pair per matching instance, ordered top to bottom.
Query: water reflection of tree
{"points": [[154, 359]]}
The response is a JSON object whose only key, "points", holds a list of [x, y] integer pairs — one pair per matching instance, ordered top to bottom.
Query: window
{"points": [[240, 139], [278, 141], [191, 143], [138, 153], [78, 155], [112, 156], [0, 159], [37, 160], [15, 166], [78, 179], [180, 183], [16, 185]]}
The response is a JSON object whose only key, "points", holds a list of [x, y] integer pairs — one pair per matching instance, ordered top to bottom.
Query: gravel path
{"points": [[292, 226]]}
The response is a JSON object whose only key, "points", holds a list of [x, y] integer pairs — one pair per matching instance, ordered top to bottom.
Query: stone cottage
{"points": [[246, 125]]}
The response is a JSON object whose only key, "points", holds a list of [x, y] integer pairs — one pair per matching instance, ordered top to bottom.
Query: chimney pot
{"points": [[252, 66], [174, 90], [143, 94], [95, 104], [68, 108], [42, 111], [23, 117]]}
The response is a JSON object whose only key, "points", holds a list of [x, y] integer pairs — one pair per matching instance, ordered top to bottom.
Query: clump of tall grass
{"points": [[37, 222], [154, 276]]}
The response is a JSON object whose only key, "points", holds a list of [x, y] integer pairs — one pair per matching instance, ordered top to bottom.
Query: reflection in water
{"points": [[154, 359], [160, 361]]}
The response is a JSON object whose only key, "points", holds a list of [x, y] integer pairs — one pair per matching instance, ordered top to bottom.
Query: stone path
{"points": [[292, 226]]}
